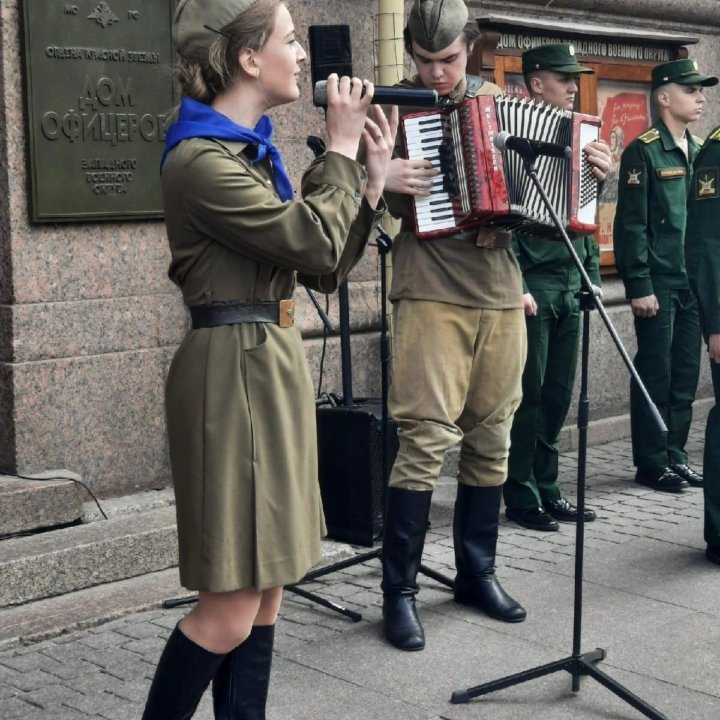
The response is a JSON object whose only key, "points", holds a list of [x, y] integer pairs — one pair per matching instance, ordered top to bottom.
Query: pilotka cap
{"points": [[197, 23], [435, 24]]}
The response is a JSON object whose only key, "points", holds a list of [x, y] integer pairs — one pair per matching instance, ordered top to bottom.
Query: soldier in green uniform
{"points": [[649, 233], [702, 257], [551, 282], [458, 353], [239, 400]]}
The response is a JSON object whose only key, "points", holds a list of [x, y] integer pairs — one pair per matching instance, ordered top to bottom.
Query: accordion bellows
{"points": [[479, 184]]}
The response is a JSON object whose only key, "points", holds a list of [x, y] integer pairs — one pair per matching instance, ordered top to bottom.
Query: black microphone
{"points": [[386, 95], [530, 149]]}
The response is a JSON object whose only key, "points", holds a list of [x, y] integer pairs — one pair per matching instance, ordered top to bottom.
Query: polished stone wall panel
{"points": [[96, 327], [100, 416]]}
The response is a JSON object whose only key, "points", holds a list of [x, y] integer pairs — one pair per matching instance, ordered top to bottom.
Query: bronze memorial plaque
{"points": [[99, 99]]}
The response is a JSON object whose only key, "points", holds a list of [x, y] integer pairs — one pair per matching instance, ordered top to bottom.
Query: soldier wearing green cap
{"points": [[656, 176], [702, 258], [551, 282], [458, 353], [239, 401]]}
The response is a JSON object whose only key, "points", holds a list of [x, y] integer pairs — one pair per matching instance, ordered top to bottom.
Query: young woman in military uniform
{"points": [[648, 236], [702, 255], [239, 400]]}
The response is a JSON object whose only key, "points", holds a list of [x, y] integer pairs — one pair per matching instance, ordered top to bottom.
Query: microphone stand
{"points": [[577, 664]]}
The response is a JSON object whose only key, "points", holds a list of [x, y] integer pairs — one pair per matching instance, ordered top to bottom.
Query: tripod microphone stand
{"points": [[577, 664]]}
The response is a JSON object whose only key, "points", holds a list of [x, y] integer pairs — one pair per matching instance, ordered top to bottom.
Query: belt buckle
{"points": [[485, 238], [286, 313]]}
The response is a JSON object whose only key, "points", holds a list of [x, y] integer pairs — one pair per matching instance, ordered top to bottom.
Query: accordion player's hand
{"points": [[598, 155], [410, 177]]}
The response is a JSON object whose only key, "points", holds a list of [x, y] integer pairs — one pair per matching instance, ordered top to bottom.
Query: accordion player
{"points": [[478, 184]]}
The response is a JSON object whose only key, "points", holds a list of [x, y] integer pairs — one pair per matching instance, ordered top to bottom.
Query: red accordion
{"points": [[481, 185]]}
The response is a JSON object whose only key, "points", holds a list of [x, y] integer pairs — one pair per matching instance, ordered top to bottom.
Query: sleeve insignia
{"points": [[649, 135], [634, 177], [706, 183]]}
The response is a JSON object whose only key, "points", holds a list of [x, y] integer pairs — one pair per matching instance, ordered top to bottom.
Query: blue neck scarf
{"points": [[197, 119]]}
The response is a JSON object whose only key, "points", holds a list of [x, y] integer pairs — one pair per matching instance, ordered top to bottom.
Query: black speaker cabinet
{"points": [[330, 51], [350, 465]]}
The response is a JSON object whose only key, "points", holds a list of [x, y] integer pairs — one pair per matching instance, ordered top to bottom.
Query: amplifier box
{"points": [[350, 469]]}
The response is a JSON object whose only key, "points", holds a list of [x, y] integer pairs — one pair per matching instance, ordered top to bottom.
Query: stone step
{"points": [[28, 505], [138, 538], [65, 560], [50, 617]]}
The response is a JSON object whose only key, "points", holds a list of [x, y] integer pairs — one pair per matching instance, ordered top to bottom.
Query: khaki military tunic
{"points": [[452, 269], [239, 399]]}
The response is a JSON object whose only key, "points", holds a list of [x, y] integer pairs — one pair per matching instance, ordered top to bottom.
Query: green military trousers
{"points": [[668, 362], [456, 376], [547, 384], [711, 465]]}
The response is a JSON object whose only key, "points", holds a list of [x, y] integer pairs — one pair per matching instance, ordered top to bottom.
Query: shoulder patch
{"points": [[649, 135], [715, 135], [635, 176], [706, 183]]}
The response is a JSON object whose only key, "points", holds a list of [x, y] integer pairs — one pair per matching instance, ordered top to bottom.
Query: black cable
{"points": [[324, 349], [56, 477]]}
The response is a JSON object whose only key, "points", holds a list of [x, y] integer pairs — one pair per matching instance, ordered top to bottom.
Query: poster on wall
{"points": [[515, 86], [624, 108]]}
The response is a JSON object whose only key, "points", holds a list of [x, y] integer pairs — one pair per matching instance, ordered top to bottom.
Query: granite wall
{"points": [[89, 321]]}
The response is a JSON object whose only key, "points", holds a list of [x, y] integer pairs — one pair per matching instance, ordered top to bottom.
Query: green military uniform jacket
{"points": [[650, 219], [702, 240], [547, 264], [451, 269], [239, 398]]}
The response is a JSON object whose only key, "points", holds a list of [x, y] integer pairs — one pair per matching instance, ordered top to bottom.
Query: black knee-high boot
{"points": [[406, 521], [475, 533], [182, 675], [240, 687]]}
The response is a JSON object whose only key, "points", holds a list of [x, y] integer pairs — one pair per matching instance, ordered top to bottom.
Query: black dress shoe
{"points": [[688, 475], [663, 479], [564, 511], [532, 518], [712, 553]]}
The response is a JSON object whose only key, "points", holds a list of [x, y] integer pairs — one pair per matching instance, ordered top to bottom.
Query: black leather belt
{"points": [[279, 312]]}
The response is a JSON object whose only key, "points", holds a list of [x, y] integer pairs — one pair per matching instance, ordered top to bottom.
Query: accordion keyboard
{"points": [[424, 138]]}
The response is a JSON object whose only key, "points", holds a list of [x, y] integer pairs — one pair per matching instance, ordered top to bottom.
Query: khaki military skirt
{"points": [[243, 453]]}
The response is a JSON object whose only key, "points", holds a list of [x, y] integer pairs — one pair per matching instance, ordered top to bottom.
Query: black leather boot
{"points": [[406, 522], [475, 533], [182, 675], [240, 687]]}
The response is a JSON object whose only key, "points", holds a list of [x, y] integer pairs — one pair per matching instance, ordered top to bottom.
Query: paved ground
{"points": [[651, 600]]}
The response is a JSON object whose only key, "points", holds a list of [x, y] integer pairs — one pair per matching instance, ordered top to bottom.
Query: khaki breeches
{"points": [[456, 376]]}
